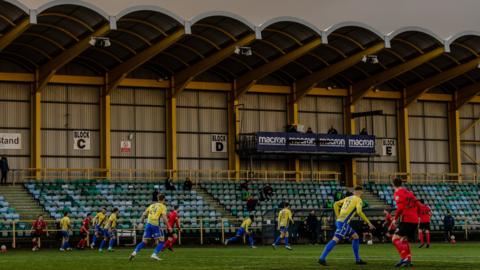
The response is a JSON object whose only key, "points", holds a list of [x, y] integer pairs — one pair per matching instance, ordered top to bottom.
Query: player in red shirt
{"points": [[425, 213], [407, 217], [173, 221], [388, 226], [39, 228], [84, 231]]}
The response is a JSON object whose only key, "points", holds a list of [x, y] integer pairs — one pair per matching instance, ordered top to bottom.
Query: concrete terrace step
{"points": [[213, 202], [23, 203]]}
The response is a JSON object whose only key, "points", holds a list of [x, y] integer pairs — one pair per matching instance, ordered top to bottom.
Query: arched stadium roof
{"points": [[193, 40]]}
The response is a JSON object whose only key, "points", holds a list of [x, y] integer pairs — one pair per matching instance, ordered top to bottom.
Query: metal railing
{"points": [[22, 175], [423, 178]]}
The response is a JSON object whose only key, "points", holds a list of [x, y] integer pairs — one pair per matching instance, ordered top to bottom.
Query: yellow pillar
{"points": [[292, 117], [171, 132], [105, 133], [36, 134], [233, 135], [454, 140], [403, 142], [350, 164]]}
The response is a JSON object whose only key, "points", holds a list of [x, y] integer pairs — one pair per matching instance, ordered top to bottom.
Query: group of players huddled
{"points": [[410, 214]]}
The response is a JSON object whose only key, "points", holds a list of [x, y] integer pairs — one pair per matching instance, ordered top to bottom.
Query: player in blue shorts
{"points": [[350, 206], [153, 213], [284, 219], [98, 222], [243, 230], [110, 231]]}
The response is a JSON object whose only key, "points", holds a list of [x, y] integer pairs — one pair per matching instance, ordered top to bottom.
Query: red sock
{"points": [[420, 236], [428, 237], [173, 241], [34, 243], [167, 244], [406, 247], [400, 248]]}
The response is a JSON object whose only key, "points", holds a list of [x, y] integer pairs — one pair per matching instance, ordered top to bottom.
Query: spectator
{"points": [[309, 130], [332, 130], [364, 131], [4, 170], [169, 184], [187, 185], [244, 185], [267, 191], [155, 195], [251, 204], [311, 224], [448, 225]]}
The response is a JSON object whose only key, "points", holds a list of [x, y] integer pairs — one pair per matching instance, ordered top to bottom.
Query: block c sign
{"points": [[81, 140]]}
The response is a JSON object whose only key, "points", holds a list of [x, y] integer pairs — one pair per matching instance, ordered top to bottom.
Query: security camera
{"points": [[100, 42], [246, 51], [370, 59]]}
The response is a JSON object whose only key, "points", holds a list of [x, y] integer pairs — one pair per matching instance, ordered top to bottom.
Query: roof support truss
{"points": [[13, 34], [46, 72], [116, 75], [182, 78], [250, 78], [304, 85], [361, 88], [417, 89], [466, 94]]}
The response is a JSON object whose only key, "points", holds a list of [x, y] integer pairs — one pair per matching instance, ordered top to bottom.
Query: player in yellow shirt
{"points": [[350, 206], [154, 213], [284, 219], [98, 222], [65, 227], [243, 230], [110, 231]]}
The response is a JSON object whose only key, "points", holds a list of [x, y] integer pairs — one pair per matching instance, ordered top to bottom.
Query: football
{"points": [[369, 242], [3, 249]]}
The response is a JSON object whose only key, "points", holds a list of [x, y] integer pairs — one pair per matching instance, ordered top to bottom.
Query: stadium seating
{"points": [[83, 196], [301, 196], [461, 199], [7, 213]]}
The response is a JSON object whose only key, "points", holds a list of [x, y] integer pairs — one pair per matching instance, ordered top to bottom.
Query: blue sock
{"points": [[94, 239], [232, 239], [250, 240], [277, 240], [286, 240], [112, 242], [102, 244], [65, 245], [139, 247], [356, 247], [158, 248], [327, 249]]}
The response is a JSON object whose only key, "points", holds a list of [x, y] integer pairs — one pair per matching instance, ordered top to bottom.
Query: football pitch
{"points": [[379, 256]]}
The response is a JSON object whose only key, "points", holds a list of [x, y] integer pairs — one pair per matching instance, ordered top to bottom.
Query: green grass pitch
{"points": [[439, 256]]}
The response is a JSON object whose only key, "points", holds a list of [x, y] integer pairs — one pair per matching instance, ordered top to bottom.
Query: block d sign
{"points": [[81, 140], [219, 143], [389, 147]]}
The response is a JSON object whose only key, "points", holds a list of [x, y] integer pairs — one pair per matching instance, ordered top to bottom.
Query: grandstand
{"points": [[102, 102]]}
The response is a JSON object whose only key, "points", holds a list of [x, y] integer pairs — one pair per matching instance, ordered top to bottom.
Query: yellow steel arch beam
{"points": [[3, 17], [68, 17], [149, 24], [216, 28], [59, 29], [14, 33], [135, 34], [49, 40], [299, 43], [121, 44], [358, 44], [43, 53], [46, 71], [116, 75], [250, 78], [181, 79], [304, 85], [359, 89], [417, 89], [466, 94]]}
